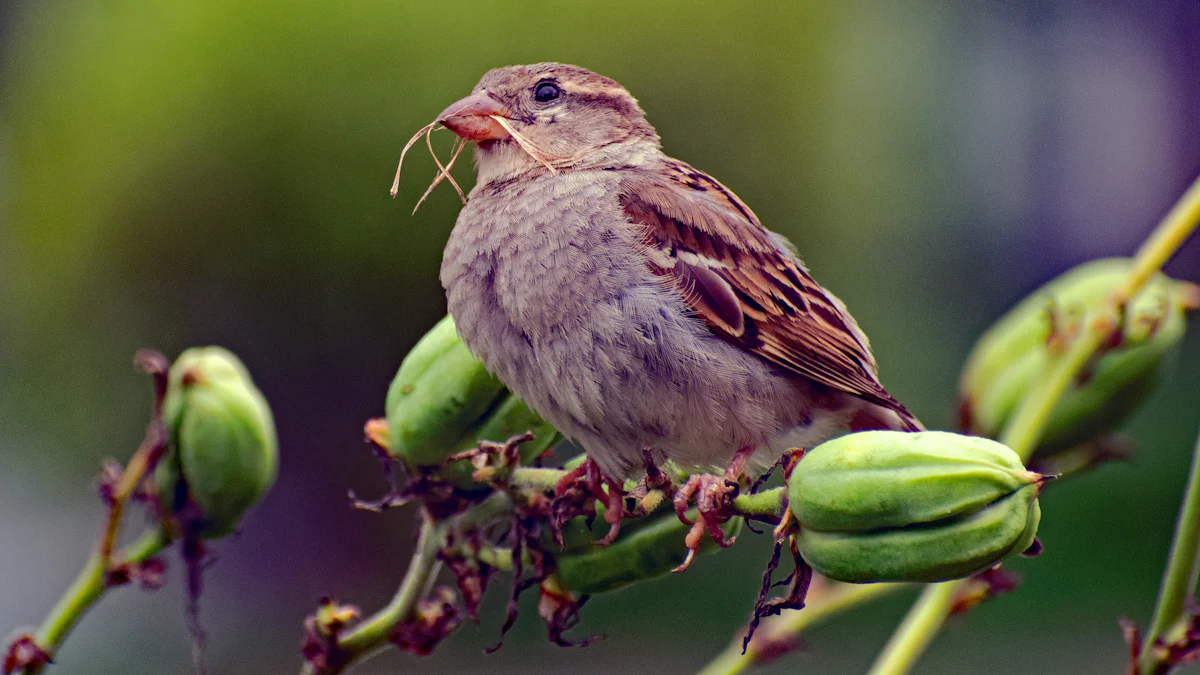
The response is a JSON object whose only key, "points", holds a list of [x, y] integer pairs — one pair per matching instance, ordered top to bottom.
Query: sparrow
{"points": [[635, 302]]}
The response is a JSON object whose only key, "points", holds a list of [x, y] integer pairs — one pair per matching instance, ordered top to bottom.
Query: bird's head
{"points": [[550, 115]]}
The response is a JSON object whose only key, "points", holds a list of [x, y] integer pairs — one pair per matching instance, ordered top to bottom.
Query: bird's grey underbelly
{"points": [[560, 306]]}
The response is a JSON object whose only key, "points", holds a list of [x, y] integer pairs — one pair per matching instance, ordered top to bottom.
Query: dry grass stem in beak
{"points": [[424, 130], [533, 150], [443, 171]]}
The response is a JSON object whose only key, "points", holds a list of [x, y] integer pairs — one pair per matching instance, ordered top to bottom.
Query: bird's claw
{"points": [[575, 495], [714, 497]]}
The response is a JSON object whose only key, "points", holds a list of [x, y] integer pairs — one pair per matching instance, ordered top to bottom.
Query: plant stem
{"points": [[1180, 222], [143, 460], [538, 479], [766, 503], [497, 558], [1179, 579], [87, 589], [923, 621], [786, 626], [917, 630], [373, 632]]}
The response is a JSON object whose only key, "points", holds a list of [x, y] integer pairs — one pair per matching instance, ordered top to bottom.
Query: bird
{"points": [[635, 302]]}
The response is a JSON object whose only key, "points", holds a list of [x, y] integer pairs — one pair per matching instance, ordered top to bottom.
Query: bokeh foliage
{"points": [[179, 173]]}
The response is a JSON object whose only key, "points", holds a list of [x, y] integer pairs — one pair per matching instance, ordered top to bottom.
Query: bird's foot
{"points": [[651, 490], [576, 494], [714, 497], [714, 505]]}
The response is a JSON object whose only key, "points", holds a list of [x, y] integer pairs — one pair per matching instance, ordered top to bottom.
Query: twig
{"points": [[144, 459], [769, 503], [1179, 579], [87, 588], [372, 633]]}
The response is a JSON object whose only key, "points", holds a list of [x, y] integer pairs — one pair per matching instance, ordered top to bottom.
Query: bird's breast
{"points": [[548, 252]]}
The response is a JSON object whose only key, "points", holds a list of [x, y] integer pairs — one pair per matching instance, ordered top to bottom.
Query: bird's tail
{"points": [[890, 415]]}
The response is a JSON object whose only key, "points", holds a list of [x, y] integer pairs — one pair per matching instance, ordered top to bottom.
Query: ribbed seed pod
{"points": [[1015, 353], [440, 393], [443, 401], [222, 450], [879, 479], [895, 506]]}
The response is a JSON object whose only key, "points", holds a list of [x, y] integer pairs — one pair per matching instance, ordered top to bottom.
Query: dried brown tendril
{"points": [[527, 145], [443, 169]]}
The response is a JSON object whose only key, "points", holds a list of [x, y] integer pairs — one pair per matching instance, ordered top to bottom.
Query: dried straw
{"points": [[424, 130], [527, 145], [539, 154], [443, 171]]}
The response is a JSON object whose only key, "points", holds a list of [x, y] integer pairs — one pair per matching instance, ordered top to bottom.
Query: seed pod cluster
{"points": [[1013, 355], [443, 401], [222, 451], [925, 507]]}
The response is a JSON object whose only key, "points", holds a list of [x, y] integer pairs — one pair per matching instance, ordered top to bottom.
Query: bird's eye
{"points": [[546, 91]]}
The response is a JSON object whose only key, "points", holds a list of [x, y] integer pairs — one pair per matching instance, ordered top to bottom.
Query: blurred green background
{"points": [[185, 172]]}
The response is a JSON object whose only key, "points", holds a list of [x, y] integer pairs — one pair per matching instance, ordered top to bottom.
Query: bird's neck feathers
{"points": [[505, 159]]}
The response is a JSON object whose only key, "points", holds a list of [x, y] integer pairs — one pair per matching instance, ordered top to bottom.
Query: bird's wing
{"points": [[747, 285]]}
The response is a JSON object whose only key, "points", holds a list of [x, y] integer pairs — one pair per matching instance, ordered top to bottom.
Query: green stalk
{"points": [[538, 479], [766, 503], [1179, 579], [87, 589], [818, 610], [925, 619], [917, 630], [373, 633], [370, 635]]}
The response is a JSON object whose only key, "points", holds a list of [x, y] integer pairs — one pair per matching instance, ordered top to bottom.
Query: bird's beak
{"points": [[469, 118]]}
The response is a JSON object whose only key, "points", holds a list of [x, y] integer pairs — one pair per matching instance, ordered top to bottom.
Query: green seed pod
{"points": [[1013, 355], [439, 395], [443, 401], [508, 418], [221, 440], [878, 479], [895, 506], [955, 549], [640, 553]]}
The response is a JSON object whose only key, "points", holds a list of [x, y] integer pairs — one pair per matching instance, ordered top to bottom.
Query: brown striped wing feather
{"points": [[747, 286]]}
